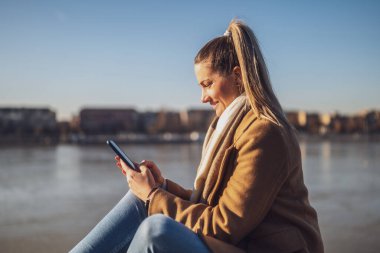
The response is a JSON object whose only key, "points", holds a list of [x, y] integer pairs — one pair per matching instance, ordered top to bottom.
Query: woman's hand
{"points": [[155, 172], [140, 183]]}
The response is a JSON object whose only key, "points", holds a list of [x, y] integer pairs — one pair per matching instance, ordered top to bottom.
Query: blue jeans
{"points": [[127, 228]]}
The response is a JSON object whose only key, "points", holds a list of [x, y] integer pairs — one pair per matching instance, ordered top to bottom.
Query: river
{"points": [[50, 197]]}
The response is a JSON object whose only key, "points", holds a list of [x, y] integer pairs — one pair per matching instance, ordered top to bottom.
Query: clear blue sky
{"points": [[322, 55]]}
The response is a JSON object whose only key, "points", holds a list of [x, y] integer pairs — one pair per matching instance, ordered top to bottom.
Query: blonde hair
{"points": [[239, 47]]}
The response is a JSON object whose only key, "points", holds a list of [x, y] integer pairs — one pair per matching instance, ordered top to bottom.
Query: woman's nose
{"points": [[204, 97]]}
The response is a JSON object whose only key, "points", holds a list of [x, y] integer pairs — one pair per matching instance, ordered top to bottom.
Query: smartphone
{"points": [[122, 155]]}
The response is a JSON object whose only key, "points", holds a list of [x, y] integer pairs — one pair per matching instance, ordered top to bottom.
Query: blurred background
{"points": [[75, 73]]}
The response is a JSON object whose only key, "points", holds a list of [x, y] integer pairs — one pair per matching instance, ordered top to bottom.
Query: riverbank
{"points": [[340, 137], [166, 138]]}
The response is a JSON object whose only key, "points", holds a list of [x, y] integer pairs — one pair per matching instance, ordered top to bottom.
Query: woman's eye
{"points": [[206, 84]]}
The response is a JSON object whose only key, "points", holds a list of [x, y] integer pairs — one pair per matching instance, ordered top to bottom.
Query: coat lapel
{"points": [[218, 164]]}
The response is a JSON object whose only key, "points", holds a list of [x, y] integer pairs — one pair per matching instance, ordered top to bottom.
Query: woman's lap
{"points": [[127, 226], [159, 233]]}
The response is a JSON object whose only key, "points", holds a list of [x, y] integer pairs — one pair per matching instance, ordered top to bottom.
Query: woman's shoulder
{"points": [[252, 127], [262, 133]]}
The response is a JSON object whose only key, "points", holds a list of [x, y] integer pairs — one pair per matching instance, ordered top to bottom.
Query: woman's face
{"points": [[217, 90]]}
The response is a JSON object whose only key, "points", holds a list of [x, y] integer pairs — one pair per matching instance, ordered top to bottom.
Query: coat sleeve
{"points": [[260, 171], [177, 190]]}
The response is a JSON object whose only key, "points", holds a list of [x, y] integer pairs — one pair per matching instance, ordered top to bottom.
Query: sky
{"points": [[322, 56]]}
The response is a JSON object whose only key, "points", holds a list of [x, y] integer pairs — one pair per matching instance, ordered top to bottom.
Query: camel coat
{"points": [[257, 200]]}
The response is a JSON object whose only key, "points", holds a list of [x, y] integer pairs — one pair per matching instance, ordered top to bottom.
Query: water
{"points": [[52, 196]]}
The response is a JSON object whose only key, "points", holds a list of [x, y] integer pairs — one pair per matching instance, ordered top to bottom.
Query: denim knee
{"points": [[154, 228], [161, 234]]}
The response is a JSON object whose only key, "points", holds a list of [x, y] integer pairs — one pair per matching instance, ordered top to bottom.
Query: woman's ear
{"points": [[237, 74]]}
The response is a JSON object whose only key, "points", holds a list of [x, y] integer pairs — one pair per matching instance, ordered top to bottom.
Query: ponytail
{"points": [[239, 47]]}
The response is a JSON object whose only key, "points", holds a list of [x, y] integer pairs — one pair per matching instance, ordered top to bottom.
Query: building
{"points": [[297, 119], [197, 120], [325, 120], [108, 121], [371, 121], [148, 122], [169, 122], [28, 125]]}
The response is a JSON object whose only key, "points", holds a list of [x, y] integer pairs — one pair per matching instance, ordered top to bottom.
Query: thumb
{"points": [[149, 164], [143, 169], [146, 171]]}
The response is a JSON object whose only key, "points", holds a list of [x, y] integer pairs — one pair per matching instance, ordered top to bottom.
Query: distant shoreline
{"points": [[340, 137], [172, 139]]}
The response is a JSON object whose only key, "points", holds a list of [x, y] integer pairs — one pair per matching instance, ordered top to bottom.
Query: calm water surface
{"points": [[50, 197]]}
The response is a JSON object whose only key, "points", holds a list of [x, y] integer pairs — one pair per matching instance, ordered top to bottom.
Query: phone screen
{"points": [[122, 155]]}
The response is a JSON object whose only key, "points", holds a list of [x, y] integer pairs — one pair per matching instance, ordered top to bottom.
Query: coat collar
{"points": [[246, 121]]}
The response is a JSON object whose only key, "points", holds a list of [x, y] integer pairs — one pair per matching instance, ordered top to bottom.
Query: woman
{"points": [[249, 194]]}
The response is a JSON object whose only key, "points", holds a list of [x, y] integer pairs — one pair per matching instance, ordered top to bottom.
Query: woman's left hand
{"points": [[140, 183]]}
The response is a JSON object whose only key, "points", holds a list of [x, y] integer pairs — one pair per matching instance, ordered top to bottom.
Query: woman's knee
{"points": [[155, 228], [159, 233]]}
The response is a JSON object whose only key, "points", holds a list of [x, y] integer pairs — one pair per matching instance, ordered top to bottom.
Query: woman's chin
{"points": [[218, 111]]}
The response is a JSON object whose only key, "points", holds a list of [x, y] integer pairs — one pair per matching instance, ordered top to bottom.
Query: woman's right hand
{"points": [[155, 172]]}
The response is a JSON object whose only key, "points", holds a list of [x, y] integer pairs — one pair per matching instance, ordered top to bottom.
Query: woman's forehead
{"points": [[203, 68]]}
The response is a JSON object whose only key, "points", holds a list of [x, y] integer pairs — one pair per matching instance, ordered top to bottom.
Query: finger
{"points": [[117, 158], [147, 163], [118, 164], [151, 165], [126, 167], [121, 168], [144, 169], [146, 172], [129, 174], [133, 175]]}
